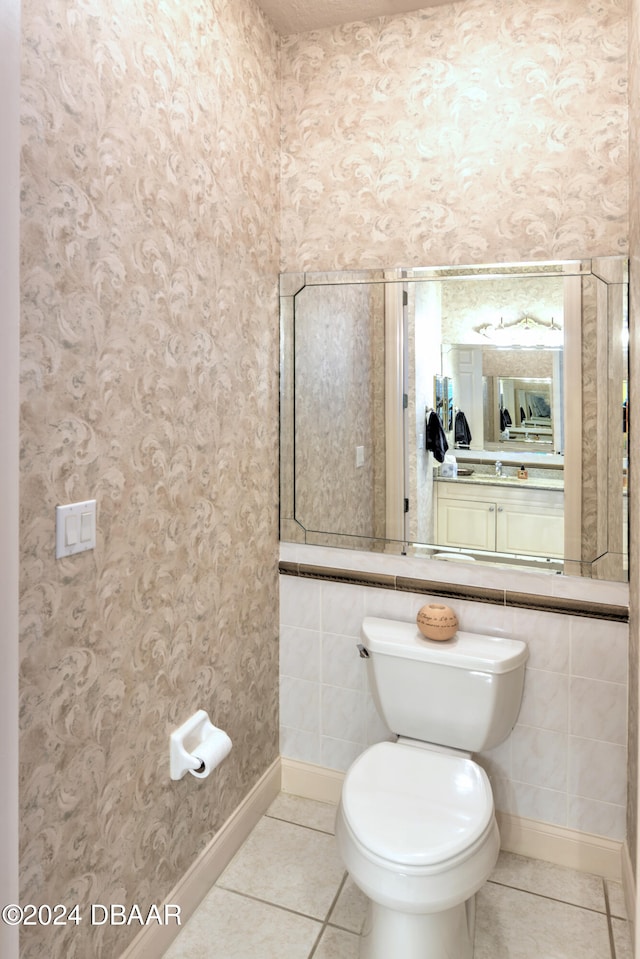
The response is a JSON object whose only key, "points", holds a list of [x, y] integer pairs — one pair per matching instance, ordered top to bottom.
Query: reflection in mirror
{"points": [[524, 369], [521, 399], [531, 400], [443, 401], [339, 427]]}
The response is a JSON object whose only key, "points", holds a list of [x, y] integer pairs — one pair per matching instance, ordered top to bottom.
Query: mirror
{"points": [[524, 368], [521, 397], [531, 399]]}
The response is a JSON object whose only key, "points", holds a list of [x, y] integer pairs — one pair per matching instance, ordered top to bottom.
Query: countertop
{"points": [[487, 479]]}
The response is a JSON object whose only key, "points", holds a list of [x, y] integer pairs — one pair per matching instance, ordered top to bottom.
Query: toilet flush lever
{"points": [[364, 652]]}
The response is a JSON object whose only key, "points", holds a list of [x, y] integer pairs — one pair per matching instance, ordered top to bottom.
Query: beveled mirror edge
{"points": [[611, 270], [292, 282]]}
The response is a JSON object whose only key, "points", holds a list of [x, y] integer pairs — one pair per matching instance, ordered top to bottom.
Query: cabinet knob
{"points": [[491, 509], [499, 509]]}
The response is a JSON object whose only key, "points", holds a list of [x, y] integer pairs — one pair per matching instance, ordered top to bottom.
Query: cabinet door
{"points": [[466, 523], [536, 530]]}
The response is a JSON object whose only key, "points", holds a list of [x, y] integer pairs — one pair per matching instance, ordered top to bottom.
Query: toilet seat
{"points": [[415, 807]]}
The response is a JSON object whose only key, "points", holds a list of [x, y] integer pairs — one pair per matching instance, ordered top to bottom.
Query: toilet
{"points": [[416, 825]]}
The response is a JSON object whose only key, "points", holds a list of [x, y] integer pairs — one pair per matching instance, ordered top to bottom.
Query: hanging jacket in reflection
{"points": [[505, 420], [462, 432], [435, 441]]}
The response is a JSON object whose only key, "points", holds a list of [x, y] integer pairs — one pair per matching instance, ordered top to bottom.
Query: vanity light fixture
{"points": [[527, 331]]}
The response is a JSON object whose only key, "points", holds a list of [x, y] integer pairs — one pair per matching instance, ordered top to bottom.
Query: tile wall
{"points": [[565, 761]]}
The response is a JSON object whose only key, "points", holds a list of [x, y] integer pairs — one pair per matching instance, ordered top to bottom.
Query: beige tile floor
{"points": [[285, 895]]}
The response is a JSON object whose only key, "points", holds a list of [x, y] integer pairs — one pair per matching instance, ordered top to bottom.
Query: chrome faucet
{"points": [[499, 468]]}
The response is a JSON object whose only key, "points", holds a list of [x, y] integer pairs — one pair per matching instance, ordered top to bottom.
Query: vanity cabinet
{"points": [[504, 519]]}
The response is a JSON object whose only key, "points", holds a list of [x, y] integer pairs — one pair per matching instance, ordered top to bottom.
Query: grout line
{"points": [[323, 832], [542, 895], [268, 902], [326, 920], [336, 925], [612, 943], [314, 947]]}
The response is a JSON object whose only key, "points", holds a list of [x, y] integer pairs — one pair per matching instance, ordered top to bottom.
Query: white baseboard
{"points": [[311, 782], [526, 837], [564, 847], [629, 887], [154, 940]]}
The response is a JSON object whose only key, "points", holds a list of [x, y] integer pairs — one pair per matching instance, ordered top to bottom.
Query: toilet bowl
{"points": [[416, 824], [417, 833]]}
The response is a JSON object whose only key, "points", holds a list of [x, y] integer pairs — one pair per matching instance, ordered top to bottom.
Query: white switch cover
{"points": [[359, 456], [75, 528]]}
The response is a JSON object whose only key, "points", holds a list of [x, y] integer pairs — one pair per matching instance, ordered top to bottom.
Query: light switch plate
{"points": [[75, 528]]}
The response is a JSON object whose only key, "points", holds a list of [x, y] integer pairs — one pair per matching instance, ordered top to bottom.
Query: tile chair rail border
{"points": [[498, 597]]}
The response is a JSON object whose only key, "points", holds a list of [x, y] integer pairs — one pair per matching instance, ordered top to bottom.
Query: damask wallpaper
{"points": [[468, 133], [150, 172], [469, 306], [339, 408]]}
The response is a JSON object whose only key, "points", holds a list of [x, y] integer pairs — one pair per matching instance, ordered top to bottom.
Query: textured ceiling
{"points": [[296, 16]]}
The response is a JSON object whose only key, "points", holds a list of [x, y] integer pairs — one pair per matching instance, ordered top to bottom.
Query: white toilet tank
{"points": [[464, 693]]}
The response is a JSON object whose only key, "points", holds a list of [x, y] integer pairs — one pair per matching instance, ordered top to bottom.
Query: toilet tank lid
{"points": [[490, 654]]}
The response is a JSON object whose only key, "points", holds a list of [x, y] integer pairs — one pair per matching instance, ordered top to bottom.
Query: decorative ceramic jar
{"points": [[436, 621]]}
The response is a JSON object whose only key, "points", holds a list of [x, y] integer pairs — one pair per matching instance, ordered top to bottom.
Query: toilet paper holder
{"points": [[192, 737]]}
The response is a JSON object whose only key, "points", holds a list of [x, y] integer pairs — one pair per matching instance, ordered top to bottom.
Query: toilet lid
{"points": [[414, 806]]}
